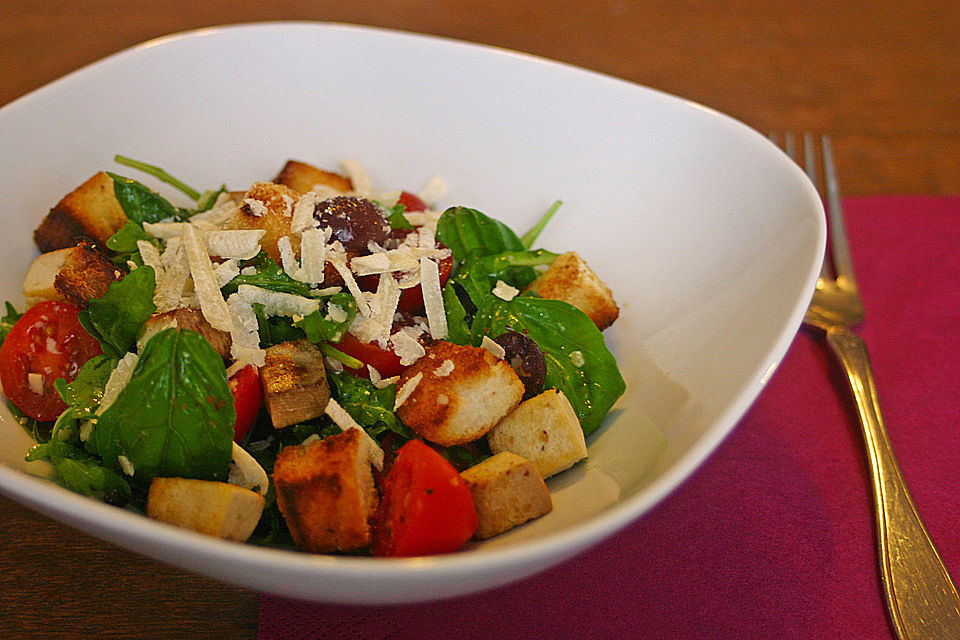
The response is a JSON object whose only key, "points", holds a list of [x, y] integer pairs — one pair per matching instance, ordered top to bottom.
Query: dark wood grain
{"points": [[882, 77]]}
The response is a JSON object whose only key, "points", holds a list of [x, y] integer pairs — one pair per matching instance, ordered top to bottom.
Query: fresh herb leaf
{"points": [[159, 174], [209, 198], [140, 203], [396, 218], [469, 232], [531, 236], [124, 244], [479, 273], [270, 276], [116, 318], [8, 320], [319, 327], [274, 329], [560, 330], [458, 331], [340, 356], [83, 395], [371, 407], [175, 417], [39, 431], [81, 472]]}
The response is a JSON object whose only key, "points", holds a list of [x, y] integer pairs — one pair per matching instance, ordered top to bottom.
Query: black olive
{"points": [[355, 222], [523, 354]]}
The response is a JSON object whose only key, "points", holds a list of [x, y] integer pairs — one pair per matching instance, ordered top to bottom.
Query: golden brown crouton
{"points": [[302, 177], [269, 207], [89, 213], [85, 274], [570, 279], [38, 284], [186, 318], [294, 382], [456, 393], [544, 430], [507, 491], [326, 494], [214, 508]]}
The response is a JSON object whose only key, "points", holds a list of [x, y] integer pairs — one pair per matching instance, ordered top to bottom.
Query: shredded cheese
{"points": [[362, 184], [303, 212], [241, 244], [504, 291], [433, 298], [277, 303], [212, 304], [492, 347], [445, 369], [403, 393], [345, 421]]}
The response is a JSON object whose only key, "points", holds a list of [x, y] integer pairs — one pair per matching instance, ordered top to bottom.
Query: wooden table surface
{"points": [[883, 78]]}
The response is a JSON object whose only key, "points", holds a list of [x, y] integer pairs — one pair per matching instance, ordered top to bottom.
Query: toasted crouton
{"points": [[302, 177], [269, 207], [89, 213], [85, 274], [570, 279], [38, 284], [186, 318], [294, 382], [451, 405], [544, 430], [507, 491], [326, 493], [214, 508]]}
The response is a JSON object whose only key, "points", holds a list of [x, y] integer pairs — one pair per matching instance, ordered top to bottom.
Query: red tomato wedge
{"points": [[411, 202], [47, 343], [385, 361], [247, 400], [425, 508]]}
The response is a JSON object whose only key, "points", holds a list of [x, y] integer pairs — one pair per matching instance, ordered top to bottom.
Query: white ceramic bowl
{"points": [[710, 238]]}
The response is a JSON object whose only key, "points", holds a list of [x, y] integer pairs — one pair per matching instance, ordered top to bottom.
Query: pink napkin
{"points": [[773, 536]]}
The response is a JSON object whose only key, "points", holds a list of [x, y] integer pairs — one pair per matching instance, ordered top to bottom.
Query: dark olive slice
{"points": [[355, 222], [523, 354]]}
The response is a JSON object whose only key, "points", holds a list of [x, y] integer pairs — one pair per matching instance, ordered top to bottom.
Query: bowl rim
{"points": [[117, 525]]}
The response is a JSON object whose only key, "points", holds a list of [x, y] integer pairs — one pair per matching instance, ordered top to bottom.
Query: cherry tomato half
{"points": [[411, 202], [47, 343], [385, 361], [247, 400], [426, 507]]}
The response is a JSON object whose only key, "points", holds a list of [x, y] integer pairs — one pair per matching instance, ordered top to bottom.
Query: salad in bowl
{"points": [[308, 363]]}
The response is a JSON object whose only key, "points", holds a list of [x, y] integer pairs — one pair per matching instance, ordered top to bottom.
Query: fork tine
{"points": [[809, 166], [842, 264]]}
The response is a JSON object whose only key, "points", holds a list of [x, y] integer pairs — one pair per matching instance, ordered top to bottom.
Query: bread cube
{"points": [[302, 177], [269, 207], [89, 213], [85, 274], [570, 279], [38, 284], [186, 318], [295, 386], [456, 393], [544, 430], [507, 491], [326, 493], [214, 508]]}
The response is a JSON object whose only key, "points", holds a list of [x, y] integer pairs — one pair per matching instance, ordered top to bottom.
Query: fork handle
{"points": [[922, 599]]}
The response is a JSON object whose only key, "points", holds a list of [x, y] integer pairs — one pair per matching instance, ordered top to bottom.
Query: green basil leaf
{"points": [[209, 198], [140, 203], [396, 218], [468, 232], [531, 236], [479, 274], [270, 276], [116, 318], [320, 327], [274, 329], [458, 331], [567, 338], [83, 395], [371, 407], [175, 417], [81, 472]]}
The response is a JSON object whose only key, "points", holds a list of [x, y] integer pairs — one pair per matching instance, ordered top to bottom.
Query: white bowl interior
{"points": [[709, 237]]}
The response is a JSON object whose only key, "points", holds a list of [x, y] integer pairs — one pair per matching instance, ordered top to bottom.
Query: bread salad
{"points": [[310, 363]]}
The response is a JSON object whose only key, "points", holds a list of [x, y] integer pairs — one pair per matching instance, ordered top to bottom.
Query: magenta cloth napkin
{"points": [[773, 536]]}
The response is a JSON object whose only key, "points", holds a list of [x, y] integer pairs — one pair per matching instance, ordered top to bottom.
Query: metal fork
{"points": [[922, 600]]}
